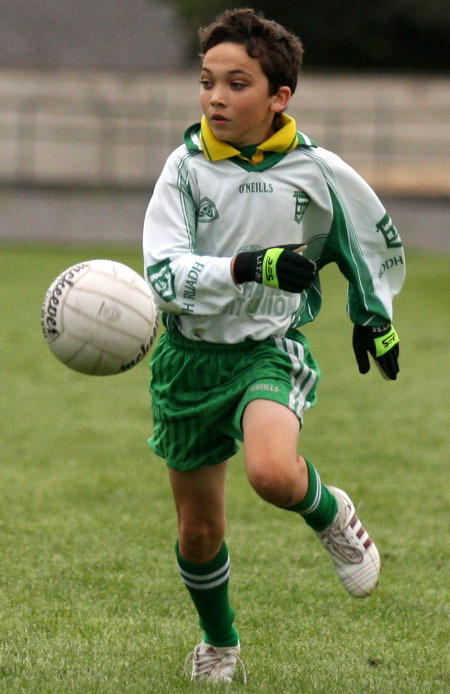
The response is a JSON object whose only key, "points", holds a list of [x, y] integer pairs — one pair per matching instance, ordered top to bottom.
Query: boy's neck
{"points": [[247, 151]]}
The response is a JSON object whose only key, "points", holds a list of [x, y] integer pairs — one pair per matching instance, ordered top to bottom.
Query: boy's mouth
{"points": [[218, 118]]}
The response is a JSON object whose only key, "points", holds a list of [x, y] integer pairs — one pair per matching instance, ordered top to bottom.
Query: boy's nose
{"points": [[217, 96]]}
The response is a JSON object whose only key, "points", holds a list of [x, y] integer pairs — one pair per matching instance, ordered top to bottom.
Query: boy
{"points": [[233, 210]]}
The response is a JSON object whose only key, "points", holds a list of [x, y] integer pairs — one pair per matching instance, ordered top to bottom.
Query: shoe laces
{"points": [[341, 538], [210, 663]]}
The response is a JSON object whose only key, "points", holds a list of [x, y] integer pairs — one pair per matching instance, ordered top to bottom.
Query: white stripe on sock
{"points": [[317, 497], [206, 581], [207, 586]]}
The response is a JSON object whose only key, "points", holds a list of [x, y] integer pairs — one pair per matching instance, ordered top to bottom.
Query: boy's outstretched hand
{"points": [[281, 267], [382, 343]]}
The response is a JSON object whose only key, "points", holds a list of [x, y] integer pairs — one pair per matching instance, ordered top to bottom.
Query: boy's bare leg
{"points": [[274, 469], [287, 480], [200, 503], [203, 560]]}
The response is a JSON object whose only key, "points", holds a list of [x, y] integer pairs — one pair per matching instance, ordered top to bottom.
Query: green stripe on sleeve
{"points": [[363, 303]]}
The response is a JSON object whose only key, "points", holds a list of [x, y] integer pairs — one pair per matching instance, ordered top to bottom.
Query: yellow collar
{"points": [[284, 140]]}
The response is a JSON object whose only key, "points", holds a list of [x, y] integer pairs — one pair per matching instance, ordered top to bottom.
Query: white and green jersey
{"points": [[211, 202]]}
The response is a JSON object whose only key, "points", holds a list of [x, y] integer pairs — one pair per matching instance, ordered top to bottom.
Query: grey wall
{"points": [[89, 33]]}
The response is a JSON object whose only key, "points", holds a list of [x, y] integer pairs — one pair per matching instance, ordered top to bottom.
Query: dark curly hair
{"points": [[279, 52]]}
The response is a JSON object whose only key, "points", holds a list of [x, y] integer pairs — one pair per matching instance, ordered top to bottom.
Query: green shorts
{"points": [[200, 390]]}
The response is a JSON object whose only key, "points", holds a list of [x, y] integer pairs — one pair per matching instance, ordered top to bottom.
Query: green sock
{"points": [[319, 506], [208, 586]]}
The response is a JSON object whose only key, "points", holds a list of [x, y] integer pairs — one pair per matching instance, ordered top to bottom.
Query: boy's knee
{"points": [[269, 482], [281, 485], [200, 541]]}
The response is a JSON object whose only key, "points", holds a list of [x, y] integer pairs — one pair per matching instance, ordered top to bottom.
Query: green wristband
{"points": [[269, 269], [385, 342]]}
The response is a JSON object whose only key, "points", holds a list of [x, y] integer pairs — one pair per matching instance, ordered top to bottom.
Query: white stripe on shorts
{"points": [[302, 377]]}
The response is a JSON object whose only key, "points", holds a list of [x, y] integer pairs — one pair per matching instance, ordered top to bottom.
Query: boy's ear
{"points": [[281, 99]]}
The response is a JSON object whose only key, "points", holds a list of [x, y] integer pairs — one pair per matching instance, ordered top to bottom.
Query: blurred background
{"points": [[94, 96]]}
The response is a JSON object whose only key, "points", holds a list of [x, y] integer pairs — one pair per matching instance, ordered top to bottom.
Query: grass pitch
{"points": [[90, 597]]}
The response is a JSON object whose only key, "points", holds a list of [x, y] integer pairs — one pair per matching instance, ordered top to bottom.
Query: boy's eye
{"points": [[206, 84], [237, 85]]}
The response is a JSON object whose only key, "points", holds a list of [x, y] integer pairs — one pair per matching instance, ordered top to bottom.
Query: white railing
{"points": [[116, 129]]}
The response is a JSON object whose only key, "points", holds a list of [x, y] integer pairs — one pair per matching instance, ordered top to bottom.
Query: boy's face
{"points": [[234, 96]]}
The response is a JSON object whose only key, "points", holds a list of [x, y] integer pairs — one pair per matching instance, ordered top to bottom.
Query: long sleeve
{"points": [[365, 244], [184, 282]]}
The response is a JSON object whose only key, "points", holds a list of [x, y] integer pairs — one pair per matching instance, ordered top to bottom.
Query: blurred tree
{"points": [[377, 34]]}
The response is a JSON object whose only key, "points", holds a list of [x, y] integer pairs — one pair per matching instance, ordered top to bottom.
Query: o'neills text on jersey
{"points": [[256, 188]]}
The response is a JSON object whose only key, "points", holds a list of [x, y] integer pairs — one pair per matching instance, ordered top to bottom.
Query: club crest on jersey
{"points": [[301, 203], [207, 211], [390, 233], [162, 280]]}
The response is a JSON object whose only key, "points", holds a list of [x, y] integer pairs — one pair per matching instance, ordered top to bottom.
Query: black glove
{"points": [[279, 267], [382, 343]]}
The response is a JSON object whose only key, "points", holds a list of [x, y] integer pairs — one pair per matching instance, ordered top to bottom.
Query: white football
{"points": [[99, 317]]}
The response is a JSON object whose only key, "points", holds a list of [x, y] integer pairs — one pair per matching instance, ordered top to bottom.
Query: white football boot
{"points": [[352, 551], [214, 664]]}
